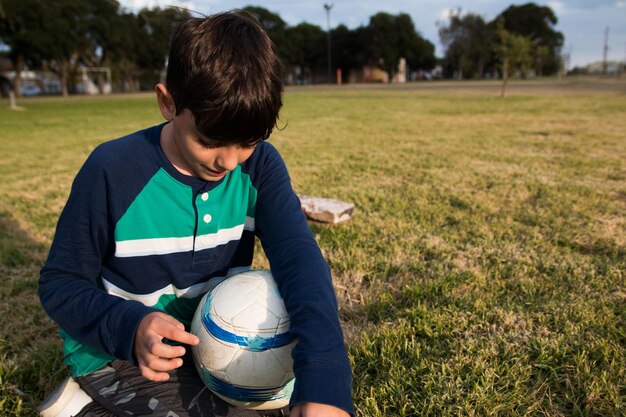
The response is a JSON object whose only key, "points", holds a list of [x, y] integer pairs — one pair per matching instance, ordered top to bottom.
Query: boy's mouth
{"points": [[215, 173]]}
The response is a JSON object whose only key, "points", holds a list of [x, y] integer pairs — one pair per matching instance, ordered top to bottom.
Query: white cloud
{"points": [[140, 4], [567, 5], [557, 6], [445, 13]]}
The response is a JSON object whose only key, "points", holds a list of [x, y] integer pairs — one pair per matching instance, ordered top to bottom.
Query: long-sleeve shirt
{"points": [[137, 236]]}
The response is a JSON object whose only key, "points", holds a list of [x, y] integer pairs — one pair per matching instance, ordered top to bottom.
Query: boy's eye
{"points": [[208, 144], [212, 144]]}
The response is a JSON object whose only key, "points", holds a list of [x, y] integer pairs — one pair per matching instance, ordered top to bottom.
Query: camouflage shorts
{"points": [[119, 389]]}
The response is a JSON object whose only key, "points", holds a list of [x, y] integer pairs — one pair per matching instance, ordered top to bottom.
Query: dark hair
{"points": [[224, 68]]}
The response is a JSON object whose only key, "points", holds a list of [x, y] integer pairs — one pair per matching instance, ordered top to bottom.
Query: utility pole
{"points": [[328, 7], [606, 51]]}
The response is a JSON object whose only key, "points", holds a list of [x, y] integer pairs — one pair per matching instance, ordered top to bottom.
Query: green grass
{"points": [[482, 273]]}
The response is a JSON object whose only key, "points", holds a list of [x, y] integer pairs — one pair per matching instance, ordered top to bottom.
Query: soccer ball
{"points": [[244, 354]]}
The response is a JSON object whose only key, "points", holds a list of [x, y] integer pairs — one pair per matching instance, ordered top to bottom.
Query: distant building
{"points": [[597, 68], [368, 74], [35, 83]]}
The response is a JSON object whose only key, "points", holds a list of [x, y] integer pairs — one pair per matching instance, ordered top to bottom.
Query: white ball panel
{"points": [[255, 319], [217, 355], [259, 369]]}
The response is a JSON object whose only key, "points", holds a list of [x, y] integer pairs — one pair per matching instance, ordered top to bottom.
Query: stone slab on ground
{"points": [[326, 210]]}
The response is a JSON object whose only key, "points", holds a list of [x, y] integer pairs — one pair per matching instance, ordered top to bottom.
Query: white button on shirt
{"points": [[205, 197], [207, 218]]}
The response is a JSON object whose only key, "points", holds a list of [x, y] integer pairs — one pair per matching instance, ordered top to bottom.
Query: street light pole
{"points": [[328, 7], [606, 50]]}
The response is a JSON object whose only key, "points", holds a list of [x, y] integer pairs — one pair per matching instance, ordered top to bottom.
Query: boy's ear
{"points": [[165, 102]]}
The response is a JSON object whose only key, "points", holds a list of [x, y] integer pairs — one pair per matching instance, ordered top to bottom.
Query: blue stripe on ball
{"points": [[255, 344], [245, 394]]}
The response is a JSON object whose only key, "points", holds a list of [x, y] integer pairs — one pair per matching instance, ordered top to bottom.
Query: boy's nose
{"points": [[227, 158]]}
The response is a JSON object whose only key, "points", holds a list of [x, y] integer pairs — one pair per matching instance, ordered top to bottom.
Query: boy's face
{"points": [[197, 155]]}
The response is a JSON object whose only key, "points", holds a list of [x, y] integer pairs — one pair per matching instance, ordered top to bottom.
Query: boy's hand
{"points": [[154, 357], [316, 410]]}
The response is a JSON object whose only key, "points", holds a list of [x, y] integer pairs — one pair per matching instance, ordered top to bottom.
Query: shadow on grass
{"points": [[601, 247], [31, 360]]}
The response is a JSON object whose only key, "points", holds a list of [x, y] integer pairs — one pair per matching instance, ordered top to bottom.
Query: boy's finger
{"points": [[179, 335], [163, 350], [163, 365], [151, 375]]}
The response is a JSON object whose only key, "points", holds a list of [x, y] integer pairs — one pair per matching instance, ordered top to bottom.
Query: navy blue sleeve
{"points": [[68, 283], [321, 365]]}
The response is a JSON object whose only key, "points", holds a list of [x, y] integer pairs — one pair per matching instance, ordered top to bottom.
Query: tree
{"points": [[104, 21], [537, 24], [66, 27], [156, 27], [21, 29], [393, 37], [384, 40], [468, 42], [349, 49], [307, 50], [514, 51], [418, 52], [421, 54], [124, 60]]}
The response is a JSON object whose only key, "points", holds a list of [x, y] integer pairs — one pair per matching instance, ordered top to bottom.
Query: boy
{"points": [[156, 218]]}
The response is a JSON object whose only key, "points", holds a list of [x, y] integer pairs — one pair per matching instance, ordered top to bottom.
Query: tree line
{"points": [[68, 35], [65, 36], [521, 39], [382, 42]]}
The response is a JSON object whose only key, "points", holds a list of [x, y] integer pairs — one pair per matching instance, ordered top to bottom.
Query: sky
{"points": [[582, 22]]}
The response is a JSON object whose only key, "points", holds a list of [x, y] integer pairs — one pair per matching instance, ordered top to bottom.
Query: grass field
{"points": [[483, 272]]}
